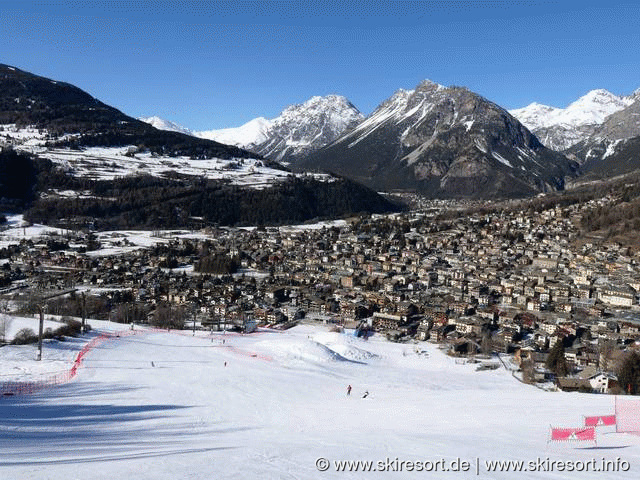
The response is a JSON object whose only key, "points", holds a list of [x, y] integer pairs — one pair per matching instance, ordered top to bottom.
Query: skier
{"points": [[349, 390], [366, 394]]}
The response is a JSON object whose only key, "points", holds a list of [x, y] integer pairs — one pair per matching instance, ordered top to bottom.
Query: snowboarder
{"points": [[225, 364], [349, 390], [366, 394]]}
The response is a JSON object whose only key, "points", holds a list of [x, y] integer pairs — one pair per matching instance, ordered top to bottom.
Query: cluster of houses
{"points": [[512, 281]]}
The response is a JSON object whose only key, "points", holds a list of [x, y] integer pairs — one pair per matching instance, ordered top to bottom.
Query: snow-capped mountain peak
{"points": [[593, 108], [333, 111], [535, 115], [162, 124], [559, 128], [297, 131], [251, 133], [447, 141]]}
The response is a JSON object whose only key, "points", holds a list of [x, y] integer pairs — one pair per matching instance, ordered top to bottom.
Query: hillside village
{"points": [[509, 282]]}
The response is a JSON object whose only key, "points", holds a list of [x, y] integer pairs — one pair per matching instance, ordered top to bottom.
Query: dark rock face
{"points": [[447, 142]]}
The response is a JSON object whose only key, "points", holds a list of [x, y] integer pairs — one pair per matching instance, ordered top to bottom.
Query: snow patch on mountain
{"points": [[391, 109], [611, 148], [501, 159]]}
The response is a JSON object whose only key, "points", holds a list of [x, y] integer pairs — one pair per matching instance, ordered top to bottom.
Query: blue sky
{"points": [[219, 64]]}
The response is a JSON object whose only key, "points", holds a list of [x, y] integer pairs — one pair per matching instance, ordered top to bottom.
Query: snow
{"points": [[590, 109], [389, 110], [314, 123], [162, 124], [251, 133], [29, 136], [480, 145], [611, 148], [501, 159], [108, 163], [313, 226], [17, 229], [18, 362], [279, 404]]}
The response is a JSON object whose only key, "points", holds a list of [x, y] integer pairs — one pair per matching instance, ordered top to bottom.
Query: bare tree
{"points": [[169, 316], [606, 349], [528, 371]]}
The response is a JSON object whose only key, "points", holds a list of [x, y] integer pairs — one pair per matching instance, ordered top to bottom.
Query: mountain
{"points": [[73, 118], [162, 124], [623, 124], [560, 128], [298, 131], [250, 134], [444, 141], [614, 147], [89, 163]]}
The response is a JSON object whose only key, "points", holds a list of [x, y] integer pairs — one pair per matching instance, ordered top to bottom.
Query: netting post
{"points": [[40, 329]]}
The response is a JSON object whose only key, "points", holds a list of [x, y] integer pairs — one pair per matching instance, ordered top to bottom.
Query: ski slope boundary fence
{"points": [[10, 388], [627, 415]]}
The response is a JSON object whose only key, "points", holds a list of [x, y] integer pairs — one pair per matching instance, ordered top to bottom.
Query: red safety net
{"points": [[627, 415], [599, 420], [573, 434]]}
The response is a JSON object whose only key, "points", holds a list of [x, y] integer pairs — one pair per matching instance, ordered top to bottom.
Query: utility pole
{"points": [[41, 307], [41, 311], [84, 312]]}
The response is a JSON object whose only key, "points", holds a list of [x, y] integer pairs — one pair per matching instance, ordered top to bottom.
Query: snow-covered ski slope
{"points": [[165, 406]]}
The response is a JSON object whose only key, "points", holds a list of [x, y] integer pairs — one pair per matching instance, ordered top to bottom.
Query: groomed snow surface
{"points": [[162, 405]]}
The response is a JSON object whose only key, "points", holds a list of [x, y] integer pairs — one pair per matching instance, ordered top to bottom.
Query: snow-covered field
{"points": [[108, 163], [17, 229], [18, 362], [166, 405]]}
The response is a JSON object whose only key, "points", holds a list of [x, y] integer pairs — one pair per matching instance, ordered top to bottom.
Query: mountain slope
{"points": [[72, 117], [162, 124], [560, 128], [296, 132], [251, 133], [446, 142], [614, 146], [91, 165]]}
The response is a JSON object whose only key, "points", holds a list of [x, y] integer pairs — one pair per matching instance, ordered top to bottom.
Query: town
{"points": [[504, 280]]}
